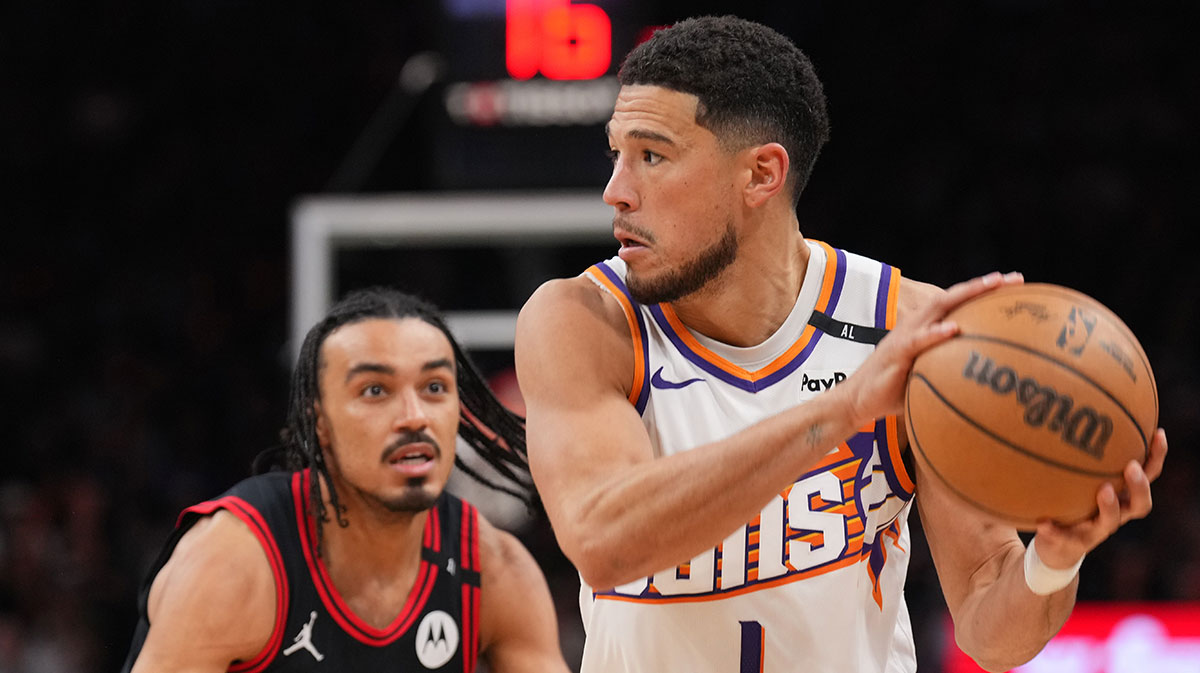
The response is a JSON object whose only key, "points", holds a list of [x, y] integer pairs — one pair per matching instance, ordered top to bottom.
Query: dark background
{"points": [[151, 151]]}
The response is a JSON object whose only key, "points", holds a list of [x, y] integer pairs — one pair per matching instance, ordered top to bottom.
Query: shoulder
{"points": [[564, 299], [575, 327], [265, 490], [501, 555], [221, 556], [509, 575], [511, 583], [217, 587], [518, 627]]}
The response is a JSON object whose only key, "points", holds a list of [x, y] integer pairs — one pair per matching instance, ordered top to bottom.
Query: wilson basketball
{"points": [[1043, 396]]}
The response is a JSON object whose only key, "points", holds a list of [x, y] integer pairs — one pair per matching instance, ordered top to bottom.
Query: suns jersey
{"points": [[815, 581], [315, 629]]}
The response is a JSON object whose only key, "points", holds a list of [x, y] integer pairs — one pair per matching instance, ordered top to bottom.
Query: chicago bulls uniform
{"points": [[315, 630]]}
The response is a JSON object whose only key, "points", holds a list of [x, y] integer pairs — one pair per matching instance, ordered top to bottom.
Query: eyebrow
{"points": [[643, 134], [443, 363], [369, 367]]}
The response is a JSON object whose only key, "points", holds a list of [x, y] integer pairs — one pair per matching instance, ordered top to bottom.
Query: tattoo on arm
{"points": [[814, 436]]}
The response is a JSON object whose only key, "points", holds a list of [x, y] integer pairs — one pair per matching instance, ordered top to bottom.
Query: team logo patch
{"points": [[437, 639], [303, 640]]}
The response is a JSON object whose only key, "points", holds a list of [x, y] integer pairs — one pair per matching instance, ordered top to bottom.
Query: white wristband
{"points": [[1041, 578]]}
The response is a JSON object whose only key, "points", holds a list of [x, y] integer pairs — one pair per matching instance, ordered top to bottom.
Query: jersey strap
{"points": [[608, 279], [844, 330], [254, 520], [469, 549]]}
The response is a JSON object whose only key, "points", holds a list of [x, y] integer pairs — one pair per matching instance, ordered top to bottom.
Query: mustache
{"points": [[621, 221], [410, 437]]}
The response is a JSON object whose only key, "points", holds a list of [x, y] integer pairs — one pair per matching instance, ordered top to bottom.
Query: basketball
{"points": [[1042, 397]]}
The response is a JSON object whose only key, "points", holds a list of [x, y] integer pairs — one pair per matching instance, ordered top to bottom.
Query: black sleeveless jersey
{"points": [[315, 630]]}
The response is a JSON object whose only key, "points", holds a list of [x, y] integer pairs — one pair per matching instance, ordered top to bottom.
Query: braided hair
{"points": [[496, 434]]}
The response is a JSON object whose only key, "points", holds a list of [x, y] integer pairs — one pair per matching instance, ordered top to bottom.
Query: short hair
{"points": [[755, 86], [496, 433]]}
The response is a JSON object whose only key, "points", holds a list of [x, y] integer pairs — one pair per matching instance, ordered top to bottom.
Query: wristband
{"points": [[1041, 578]]}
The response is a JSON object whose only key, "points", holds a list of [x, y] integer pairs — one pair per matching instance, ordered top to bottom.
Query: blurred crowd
{"points": [[144, 278]]}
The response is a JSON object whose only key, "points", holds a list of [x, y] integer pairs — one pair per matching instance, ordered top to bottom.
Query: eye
{"points": [[612, 155], [650, 157], [438, 387], [373, 390]]}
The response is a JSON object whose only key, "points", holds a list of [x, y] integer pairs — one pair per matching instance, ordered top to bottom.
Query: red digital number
{"points": [[558, 39]]}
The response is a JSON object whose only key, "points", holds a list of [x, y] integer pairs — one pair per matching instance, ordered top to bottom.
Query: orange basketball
{"points": [[1043, 396]]}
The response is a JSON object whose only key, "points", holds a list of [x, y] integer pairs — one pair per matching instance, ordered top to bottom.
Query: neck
{"points": [[753, 296], [377, 545]]}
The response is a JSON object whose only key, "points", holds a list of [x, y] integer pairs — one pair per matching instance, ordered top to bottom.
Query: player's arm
{"points": [[618, 513], [212, 603], [998, 620], [518, 628]]}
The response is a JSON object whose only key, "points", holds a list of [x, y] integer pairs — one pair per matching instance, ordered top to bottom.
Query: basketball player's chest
{"points": [[693, 403], [376, 600], [425, 619], [320, 636]]}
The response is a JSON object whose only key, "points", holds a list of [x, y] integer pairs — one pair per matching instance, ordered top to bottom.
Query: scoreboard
{"points": [[527, 88]]}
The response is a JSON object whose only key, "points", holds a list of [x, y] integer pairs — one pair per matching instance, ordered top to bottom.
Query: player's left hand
{"points": [[1062, 546]]}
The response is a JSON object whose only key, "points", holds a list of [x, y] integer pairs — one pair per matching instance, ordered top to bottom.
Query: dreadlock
{"points": [[496, 434]]}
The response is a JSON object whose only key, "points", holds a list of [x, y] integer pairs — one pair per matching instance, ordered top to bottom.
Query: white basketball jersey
{"points": [[816, 581]]}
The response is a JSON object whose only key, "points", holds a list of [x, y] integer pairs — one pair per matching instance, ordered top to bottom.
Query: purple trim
{"points": [[839, 280], [885, 280], [695, 358], [791, 366], [644, 394], [861, 444], [885, 459], [876, 559]]}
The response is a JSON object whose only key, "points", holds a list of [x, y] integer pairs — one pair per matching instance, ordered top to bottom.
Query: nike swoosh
{"points": [[659, 382]]}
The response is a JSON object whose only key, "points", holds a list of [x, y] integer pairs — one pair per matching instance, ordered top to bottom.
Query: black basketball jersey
{"points": [[315, 630]]}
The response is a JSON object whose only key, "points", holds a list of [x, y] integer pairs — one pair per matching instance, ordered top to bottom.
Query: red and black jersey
{"points": [[315, 630]]}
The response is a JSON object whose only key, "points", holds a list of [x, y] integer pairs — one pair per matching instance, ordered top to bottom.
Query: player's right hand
{"points": [[877, 388]]}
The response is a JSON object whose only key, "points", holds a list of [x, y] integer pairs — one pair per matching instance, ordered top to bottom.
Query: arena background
{"points": [[153, 153]]}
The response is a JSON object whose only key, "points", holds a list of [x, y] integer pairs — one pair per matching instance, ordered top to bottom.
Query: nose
{"points": [[620, 192], [411, 413]]}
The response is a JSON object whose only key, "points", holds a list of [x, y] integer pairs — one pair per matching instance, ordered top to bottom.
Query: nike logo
{"points": [[659, 382]]}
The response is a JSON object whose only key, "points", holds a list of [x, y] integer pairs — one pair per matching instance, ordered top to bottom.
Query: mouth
{"points": [[628, 240], [632, 247], [412, 460]]}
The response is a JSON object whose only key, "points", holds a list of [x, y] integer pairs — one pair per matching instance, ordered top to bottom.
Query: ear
{"points": [[768, 165], [322, 426]]}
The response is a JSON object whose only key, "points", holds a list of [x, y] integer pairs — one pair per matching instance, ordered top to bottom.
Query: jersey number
{"points": [[752, 647]]}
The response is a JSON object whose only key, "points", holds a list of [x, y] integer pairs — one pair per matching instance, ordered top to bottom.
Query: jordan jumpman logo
{"points": [[304, 639]]}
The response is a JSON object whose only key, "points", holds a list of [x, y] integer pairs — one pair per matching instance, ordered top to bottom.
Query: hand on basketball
{"points": [[879, 388], [1062, 546]]}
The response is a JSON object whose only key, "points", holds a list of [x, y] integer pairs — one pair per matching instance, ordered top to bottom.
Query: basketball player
{"points": [[714, 414], [355, 559]]}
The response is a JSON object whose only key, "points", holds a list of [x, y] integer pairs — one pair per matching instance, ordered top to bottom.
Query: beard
{"points": [[690, 277], [418, 494], [414, 499]]}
